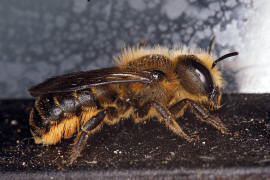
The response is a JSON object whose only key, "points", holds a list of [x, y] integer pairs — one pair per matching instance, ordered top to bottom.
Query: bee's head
{"points": [[200, 79]]}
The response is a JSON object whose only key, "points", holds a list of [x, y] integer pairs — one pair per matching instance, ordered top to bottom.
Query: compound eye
{"points": [[194, 76]]}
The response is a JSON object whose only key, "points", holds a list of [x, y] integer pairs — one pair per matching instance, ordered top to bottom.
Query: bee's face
{"points": [[196, 78]]}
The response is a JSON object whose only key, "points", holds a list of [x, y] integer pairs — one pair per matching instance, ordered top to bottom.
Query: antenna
{"points": [[211, 44], [224, 57]]}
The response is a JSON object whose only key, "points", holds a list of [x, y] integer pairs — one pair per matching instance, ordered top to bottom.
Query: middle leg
{"points": [[145, 111], [170, 121]]}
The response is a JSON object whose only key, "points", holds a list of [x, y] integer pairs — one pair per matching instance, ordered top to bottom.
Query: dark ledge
{"points": [[148, 150]]}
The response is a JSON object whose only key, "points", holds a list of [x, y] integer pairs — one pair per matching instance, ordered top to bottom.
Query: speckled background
{"points": [[39, 39]]}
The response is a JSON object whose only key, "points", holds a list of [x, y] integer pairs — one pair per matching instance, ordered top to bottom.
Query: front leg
{"points": [[201, 112]]}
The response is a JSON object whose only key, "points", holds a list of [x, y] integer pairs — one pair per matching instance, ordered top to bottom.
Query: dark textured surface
{"points": [[39, 39], [146, 150]]}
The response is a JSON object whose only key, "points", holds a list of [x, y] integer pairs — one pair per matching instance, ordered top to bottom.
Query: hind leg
{"points": [[89, 128]]}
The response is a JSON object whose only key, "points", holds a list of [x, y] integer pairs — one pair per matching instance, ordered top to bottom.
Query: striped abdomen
{"points": [[59, 115]]}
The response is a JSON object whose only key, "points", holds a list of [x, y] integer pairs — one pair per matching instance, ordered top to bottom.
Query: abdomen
{"points": [[57, 116]]}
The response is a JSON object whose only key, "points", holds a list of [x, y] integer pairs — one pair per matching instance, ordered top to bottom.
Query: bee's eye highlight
{"points": [[201, 76]]}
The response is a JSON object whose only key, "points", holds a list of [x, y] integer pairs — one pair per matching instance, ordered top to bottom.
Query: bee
{"points": [[147, 82]]}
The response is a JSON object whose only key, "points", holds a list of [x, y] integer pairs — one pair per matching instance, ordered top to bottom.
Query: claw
{"points": [[225, 130], [195, 138], [73, 158]]}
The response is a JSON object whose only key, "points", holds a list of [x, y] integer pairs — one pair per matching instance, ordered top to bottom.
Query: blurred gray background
{"points": [[39, 38]]}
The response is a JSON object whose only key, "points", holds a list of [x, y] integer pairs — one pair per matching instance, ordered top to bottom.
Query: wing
{"points": [[86, 79]]}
